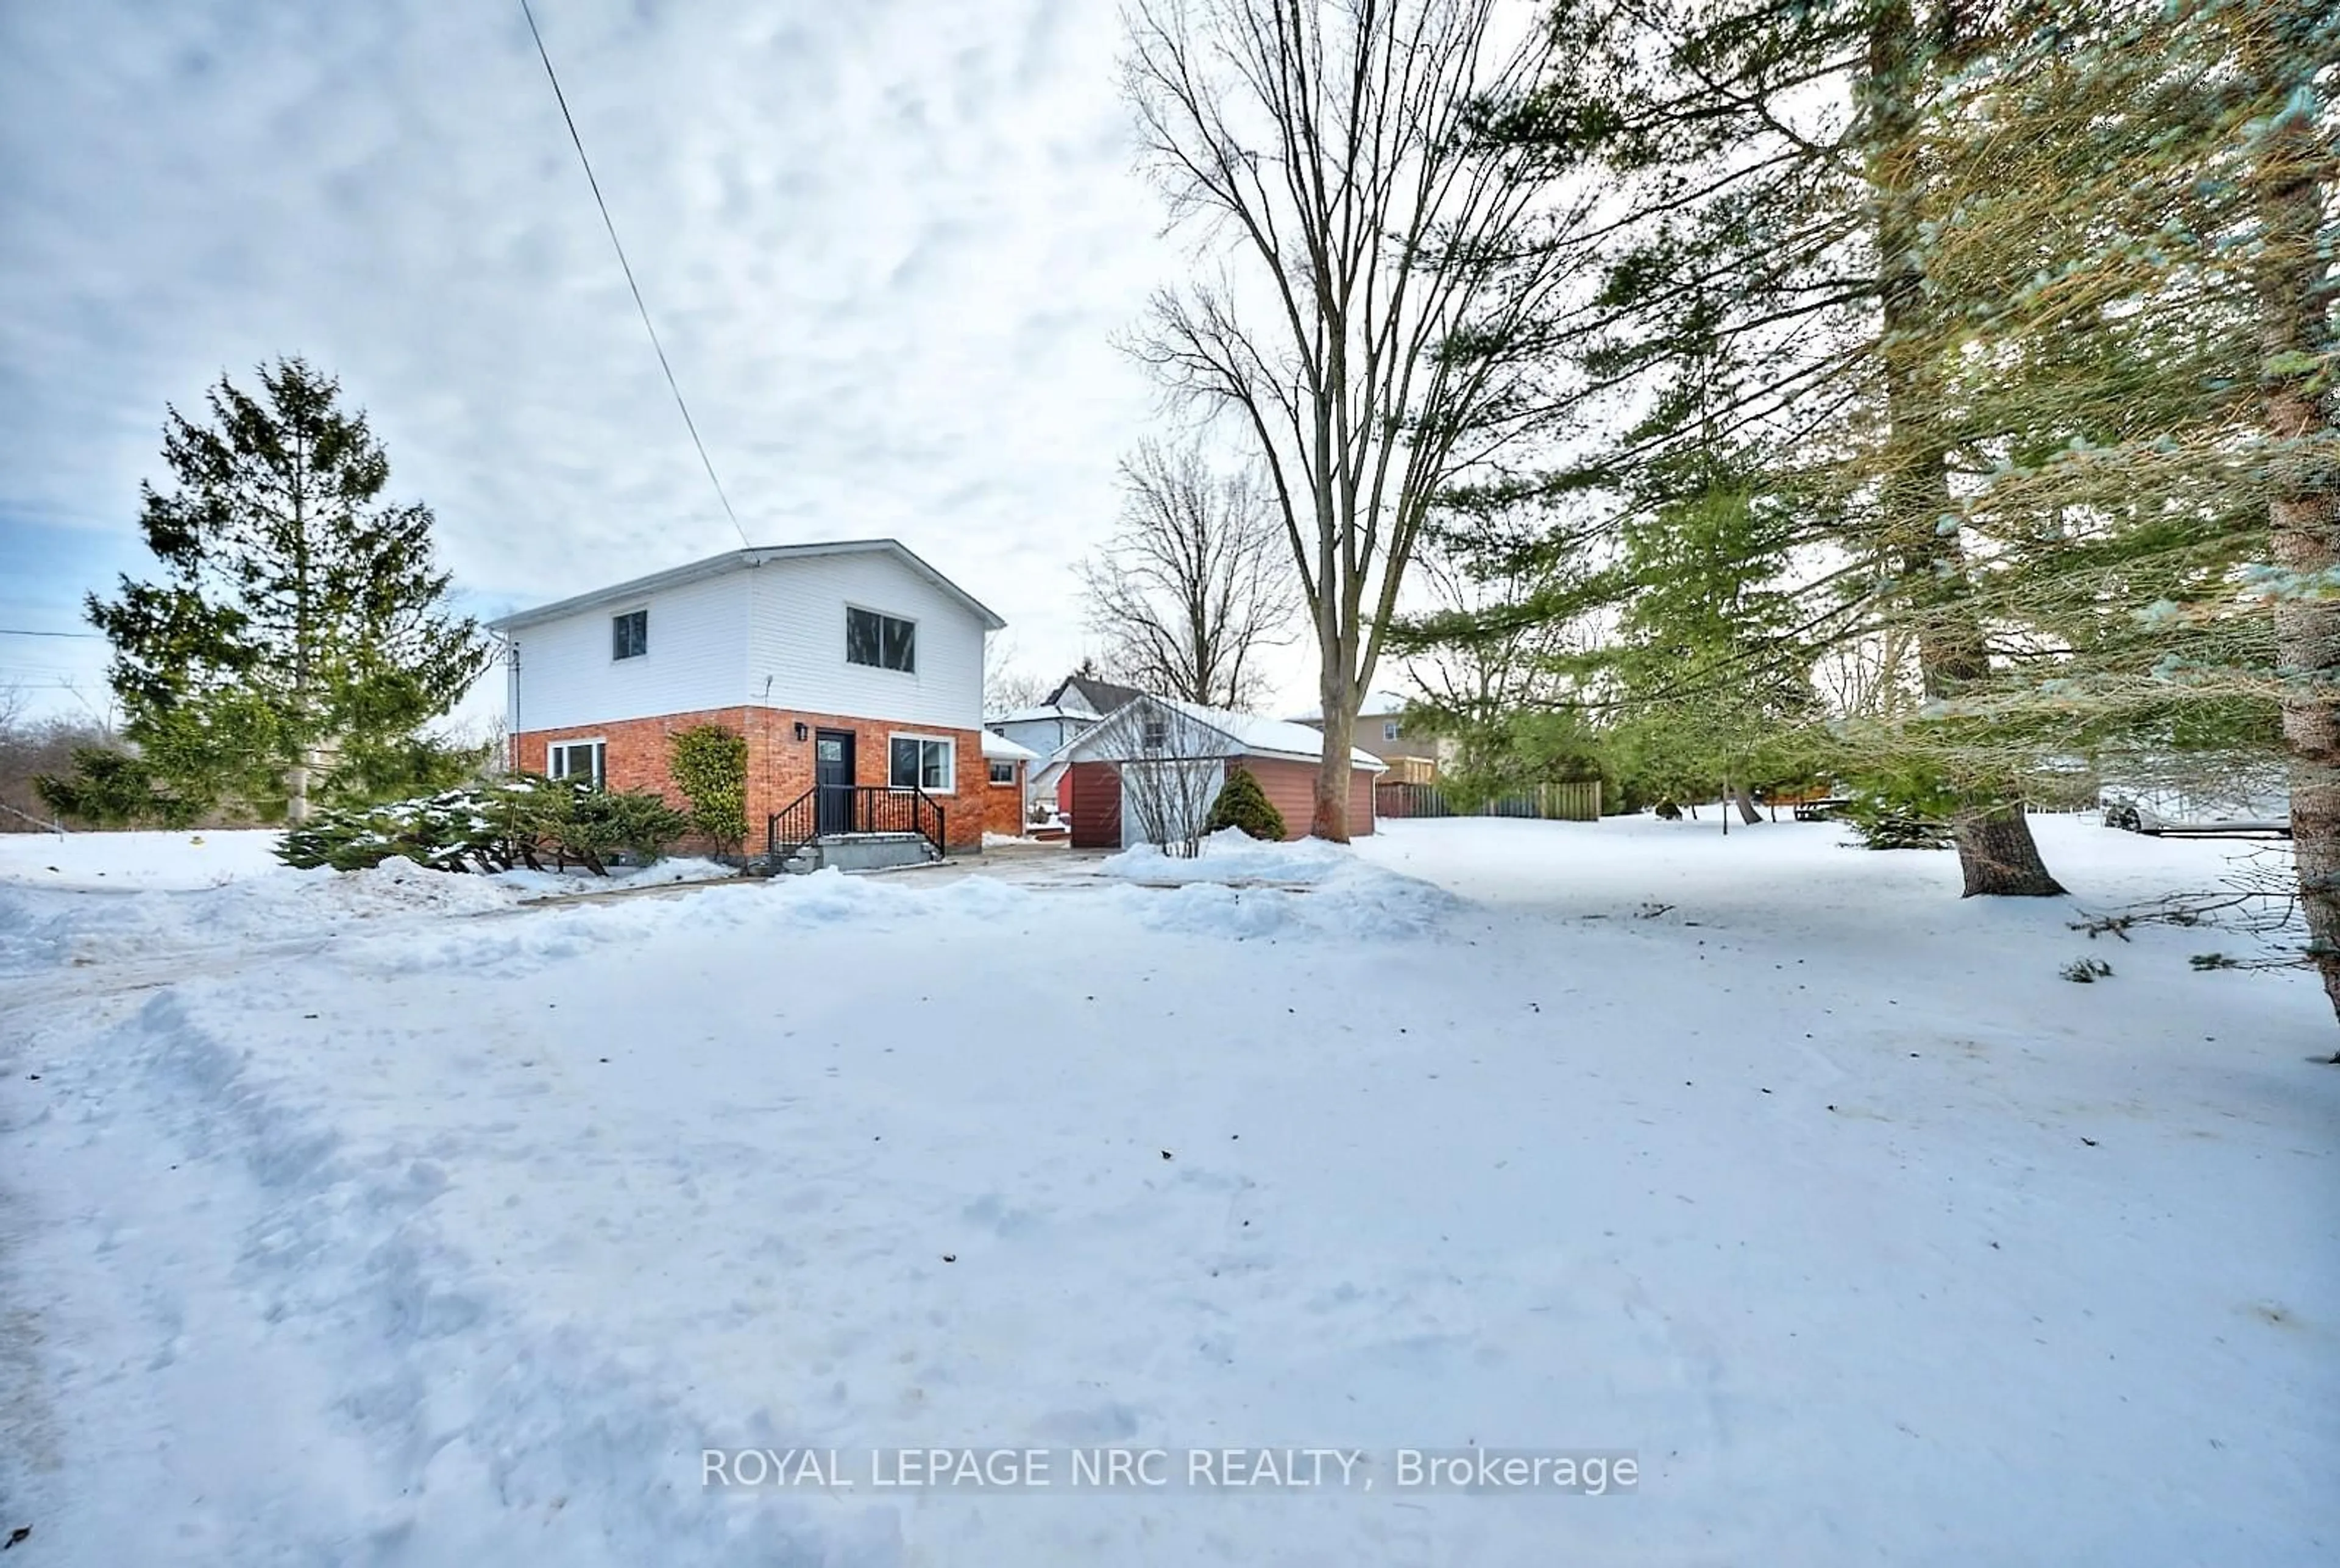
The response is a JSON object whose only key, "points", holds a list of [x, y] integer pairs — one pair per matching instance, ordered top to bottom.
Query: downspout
{"points": [[512, 702]]}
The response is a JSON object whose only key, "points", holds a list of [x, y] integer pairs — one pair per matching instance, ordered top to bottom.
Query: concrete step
{"points": [[859, 852]]}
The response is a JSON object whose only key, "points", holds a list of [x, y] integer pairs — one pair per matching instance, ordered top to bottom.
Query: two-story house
{"points": [[853, 671], [1381, 729]]}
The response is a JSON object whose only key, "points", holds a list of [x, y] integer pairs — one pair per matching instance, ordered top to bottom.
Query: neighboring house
{"points": [[856, 666], [1078, 704], [1053, 723], [1382, 730], [1158, 732], [1006, 772]]}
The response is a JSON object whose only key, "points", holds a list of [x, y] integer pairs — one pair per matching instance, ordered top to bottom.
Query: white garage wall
{"points": [[1189, 796]]}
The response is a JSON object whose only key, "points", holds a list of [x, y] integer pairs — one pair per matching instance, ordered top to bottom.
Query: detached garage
{"points": [[1167, 759]]}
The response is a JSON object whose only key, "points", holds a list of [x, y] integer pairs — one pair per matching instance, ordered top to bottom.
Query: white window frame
{"points": [[644, 612], [883, 616], [1390, 729], [600, 746], [950, 761], [991, 768]]}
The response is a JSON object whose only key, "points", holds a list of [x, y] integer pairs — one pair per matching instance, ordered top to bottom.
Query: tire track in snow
{"points": [[485, 1438]]}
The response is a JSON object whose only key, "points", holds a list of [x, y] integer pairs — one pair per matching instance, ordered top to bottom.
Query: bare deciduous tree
{"points": [[1391, 259], [1193, 584], [1007, 685], [31, 746], [1171, 766]]}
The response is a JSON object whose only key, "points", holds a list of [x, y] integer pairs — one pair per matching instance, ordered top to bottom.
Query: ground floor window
{"points": [[583, 759], [916, 762], [1003, 772]]}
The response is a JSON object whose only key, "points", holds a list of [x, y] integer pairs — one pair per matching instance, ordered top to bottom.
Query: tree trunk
{"points": [[2294, 173], [297, 789], [1331, 809], [1748, 814], [1997, 856]]}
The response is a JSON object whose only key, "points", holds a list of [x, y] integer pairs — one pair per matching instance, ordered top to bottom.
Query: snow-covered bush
{"points": [[1242, 803], [526, 820], [600, 825]]}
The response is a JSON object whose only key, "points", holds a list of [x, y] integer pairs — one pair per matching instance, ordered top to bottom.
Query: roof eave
{"points": [[738, 560]]}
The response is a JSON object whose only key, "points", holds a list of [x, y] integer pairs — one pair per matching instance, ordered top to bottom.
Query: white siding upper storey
{"points": [[763, 628]]}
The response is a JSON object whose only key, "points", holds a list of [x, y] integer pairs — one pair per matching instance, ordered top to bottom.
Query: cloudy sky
{"points": [[888, 247]]}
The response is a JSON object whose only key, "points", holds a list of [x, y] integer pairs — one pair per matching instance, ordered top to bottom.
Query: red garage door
{"points": [[1096, 805]]}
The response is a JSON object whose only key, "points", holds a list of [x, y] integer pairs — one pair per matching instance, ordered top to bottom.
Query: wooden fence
{"points": [[1573, 802]]}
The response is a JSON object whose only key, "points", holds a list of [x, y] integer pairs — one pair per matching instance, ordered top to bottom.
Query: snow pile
{"points": [[1234, 857], [671, 872], [1245, 888], [194, 892], [286, 908], [764, 911]]}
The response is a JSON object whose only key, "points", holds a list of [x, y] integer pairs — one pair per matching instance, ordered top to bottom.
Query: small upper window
{"points": [[630, 634], [884, 641], [1389, 729], [1154, 734], [1003, 772]]}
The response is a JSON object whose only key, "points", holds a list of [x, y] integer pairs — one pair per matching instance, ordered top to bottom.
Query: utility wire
{"points": [[610, 224], [20, 631]]}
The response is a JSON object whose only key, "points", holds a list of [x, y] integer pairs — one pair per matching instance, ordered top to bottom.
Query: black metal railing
{"points": [[826, 809]]}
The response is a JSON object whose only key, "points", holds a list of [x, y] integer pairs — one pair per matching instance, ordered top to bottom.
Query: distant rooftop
{"points": [[1377, 705]]}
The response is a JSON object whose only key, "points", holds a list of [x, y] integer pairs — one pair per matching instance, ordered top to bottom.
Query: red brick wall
{"points": [[779, 766], [1291, 787], [1003, 804], [1096, 805]]}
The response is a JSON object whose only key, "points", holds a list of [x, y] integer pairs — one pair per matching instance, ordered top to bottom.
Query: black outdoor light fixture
{"points": [[803, 733]]}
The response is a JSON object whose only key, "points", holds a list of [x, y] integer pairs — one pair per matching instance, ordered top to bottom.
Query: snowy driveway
{"points": [[454, 1234]]}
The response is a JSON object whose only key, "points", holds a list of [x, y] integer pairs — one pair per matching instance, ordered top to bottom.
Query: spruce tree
{"points": [[1772, 184], [2140, 206], [296, 638], [1711, 680], [1242, 803]]}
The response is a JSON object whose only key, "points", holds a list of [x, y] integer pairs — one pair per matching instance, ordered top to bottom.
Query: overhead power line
{"points": [[615, 244], [21, 631]]}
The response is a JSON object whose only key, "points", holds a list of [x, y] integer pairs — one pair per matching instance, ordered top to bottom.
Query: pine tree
{"points": [[1770, 182], [2139, 207], [296, 639], [1712, 683], [1242, 803]]}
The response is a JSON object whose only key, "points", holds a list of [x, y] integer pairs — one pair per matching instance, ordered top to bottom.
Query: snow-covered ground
{"points": [[116, 862], [386, 1219]]}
